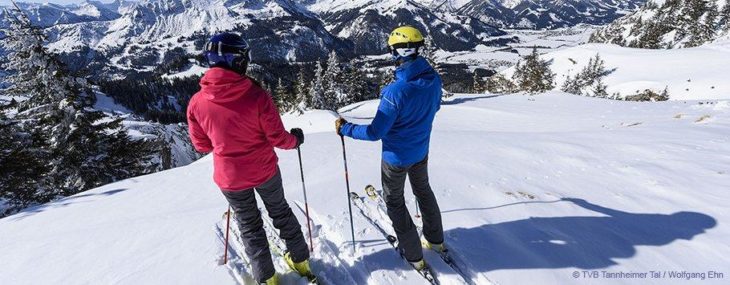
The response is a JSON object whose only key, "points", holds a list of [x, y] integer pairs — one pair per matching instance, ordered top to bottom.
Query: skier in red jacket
{"points": [[235, 119]]}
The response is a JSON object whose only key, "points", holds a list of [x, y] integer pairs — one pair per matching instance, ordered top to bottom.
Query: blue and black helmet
{"points": [[229, 51]]}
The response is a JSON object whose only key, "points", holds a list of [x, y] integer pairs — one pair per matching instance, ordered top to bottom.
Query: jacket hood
{"points": [[416, 72], [221, 85]]}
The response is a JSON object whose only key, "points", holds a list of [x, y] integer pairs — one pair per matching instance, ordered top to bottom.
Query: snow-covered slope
{"points": [[688, 74], [531, 188]]}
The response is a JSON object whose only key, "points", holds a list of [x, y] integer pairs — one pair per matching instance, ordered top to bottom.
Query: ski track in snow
{"points": [[530, 188]]}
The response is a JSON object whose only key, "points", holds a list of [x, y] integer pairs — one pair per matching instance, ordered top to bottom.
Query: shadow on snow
{"points": [[461, 100], [63, 202], [586, 242]]}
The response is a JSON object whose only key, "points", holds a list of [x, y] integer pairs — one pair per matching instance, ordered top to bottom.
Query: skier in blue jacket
{"points": [[403, 122]]}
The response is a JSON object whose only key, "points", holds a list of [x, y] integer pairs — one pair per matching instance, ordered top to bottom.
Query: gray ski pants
{"points": [[393, 179], [252, 231]]}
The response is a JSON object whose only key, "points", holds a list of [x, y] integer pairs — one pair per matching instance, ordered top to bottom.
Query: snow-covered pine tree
{"points": [[698, 21], [723, 23], [668, 24], [428, 51], [534, 75], [387, 76], [589, 81], [477, 84], [499, 84], [356, 85], [573, 85], [266, 86], [600, 89], [316, 90], [334, 94], [283, 97], [303, 100], [81, 147], [99, 151], [21, 168]]}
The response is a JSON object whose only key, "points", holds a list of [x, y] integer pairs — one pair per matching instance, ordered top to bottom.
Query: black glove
{"points": [[338, 125], [297, 132]]}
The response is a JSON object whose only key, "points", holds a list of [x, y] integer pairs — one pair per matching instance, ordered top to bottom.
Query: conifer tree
{"points": [[698, 21], [723, 22], [428, 51], [534, 75], [387, 77], [589, 81], [477, 84], [499, 84], [356, 85], [316, 90], [334, 94], [283, 99], [303, 100], [81, 148], [21, 168]]}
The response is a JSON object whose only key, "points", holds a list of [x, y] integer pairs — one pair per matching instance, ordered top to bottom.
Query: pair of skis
{"points": [[276, 244], [427, 273]]}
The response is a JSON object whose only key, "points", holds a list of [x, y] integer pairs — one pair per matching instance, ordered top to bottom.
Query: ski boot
{"points": [[370, 191], [437, 247], [419, 265], [301, 267], [425, 270], [274, 280]]}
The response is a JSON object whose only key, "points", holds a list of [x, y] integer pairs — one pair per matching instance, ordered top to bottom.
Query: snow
{"points": [[511, 4], [501, 57], [194, 70], [689, 74], [106, 104], [314, 121], [530, 188]]}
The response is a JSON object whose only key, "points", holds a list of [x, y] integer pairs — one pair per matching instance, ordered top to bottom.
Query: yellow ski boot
{"points": [[437, 247], [419, 265], [301, 267], [274, 280]]}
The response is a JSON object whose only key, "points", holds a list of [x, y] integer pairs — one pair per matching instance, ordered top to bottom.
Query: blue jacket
{"points": [[405, 115]]}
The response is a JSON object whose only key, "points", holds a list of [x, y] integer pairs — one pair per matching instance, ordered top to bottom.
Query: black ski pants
{"points": [[393, 179], [252, 228]]}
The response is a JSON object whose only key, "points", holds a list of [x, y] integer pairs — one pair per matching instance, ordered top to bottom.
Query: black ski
{"points": [[445, 255], [427, 273]]}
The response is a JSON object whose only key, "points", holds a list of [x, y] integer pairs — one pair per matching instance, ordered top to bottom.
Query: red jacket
{"points": [[237, 120]]}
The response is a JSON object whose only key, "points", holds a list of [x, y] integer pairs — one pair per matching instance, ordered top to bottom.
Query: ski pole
{"points": [[349, 203], [306, 205], [418, 215], [228, 227]]}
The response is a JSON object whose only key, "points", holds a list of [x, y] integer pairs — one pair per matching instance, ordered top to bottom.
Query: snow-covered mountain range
{"points": [[545, 14], [130, 35]]}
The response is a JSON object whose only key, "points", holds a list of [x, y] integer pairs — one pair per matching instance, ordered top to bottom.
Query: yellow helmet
{"points": [[407, 36], [404, 42]]}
